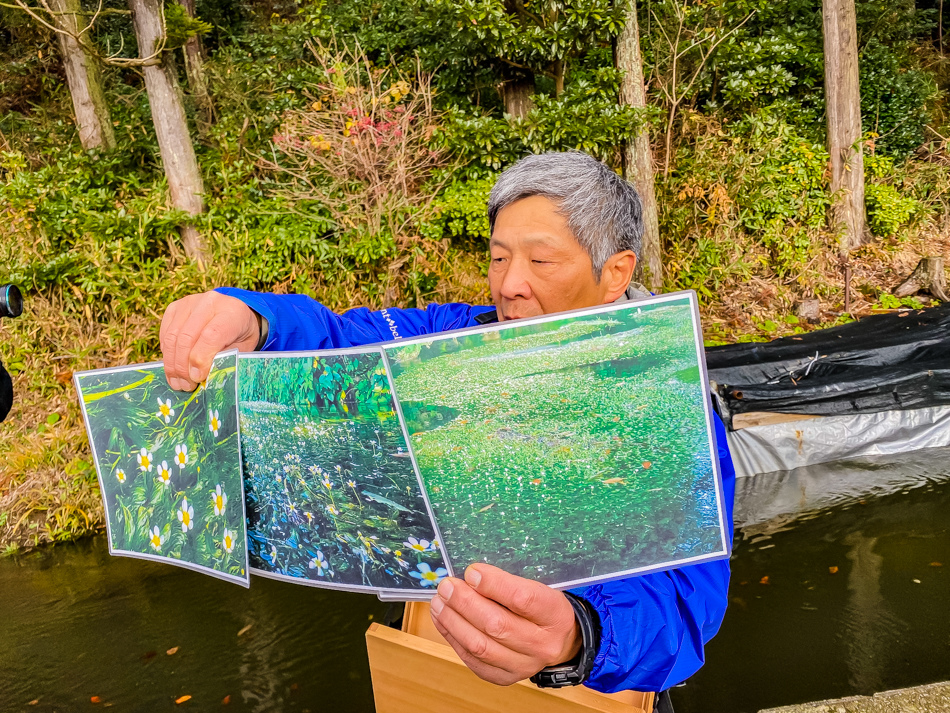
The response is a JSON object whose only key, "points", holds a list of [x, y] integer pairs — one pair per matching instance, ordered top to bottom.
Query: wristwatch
{"points": [[577, 670]]}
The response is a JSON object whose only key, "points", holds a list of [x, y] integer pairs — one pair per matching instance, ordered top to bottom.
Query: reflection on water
{"points": [[850, 601], [77, 623]]}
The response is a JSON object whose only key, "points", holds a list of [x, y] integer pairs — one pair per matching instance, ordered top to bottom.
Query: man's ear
{"points": [[617, 273]]}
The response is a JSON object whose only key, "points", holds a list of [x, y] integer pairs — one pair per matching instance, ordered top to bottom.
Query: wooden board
{"points": [[416, 671]]}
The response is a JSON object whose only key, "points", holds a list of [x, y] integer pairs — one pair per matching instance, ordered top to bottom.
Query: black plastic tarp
{"points": [[890, 361]]}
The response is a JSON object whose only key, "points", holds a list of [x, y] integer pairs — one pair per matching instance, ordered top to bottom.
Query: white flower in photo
{"points": [[165, 410], [214, 423], [181, 456], [144, 459], [164, 473], [120, 475], [326, 482], [351, 483], [218, 500], [332, 510], [186, 516], [309, 516], [156, 540], [228, 540], [418, 545], [273, 554], [402, 563], [320, 564], [427, 577]]}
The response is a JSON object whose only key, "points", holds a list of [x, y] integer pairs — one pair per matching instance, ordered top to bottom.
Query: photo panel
{"points": [[571, 448], [169, 466], [333, 499]]}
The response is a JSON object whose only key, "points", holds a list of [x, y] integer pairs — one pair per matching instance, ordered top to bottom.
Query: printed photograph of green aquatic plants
{"points": [[566, 450], [169, 466], [332, 496]]}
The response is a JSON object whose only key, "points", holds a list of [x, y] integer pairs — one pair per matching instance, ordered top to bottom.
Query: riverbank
{"points": [[934, 698]]}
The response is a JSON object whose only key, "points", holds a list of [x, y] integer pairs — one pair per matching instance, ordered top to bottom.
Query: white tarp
{"points": [[796, 444]]}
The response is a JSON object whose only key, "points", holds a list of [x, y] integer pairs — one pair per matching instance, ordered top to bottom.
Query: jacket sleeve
{"points": [[299, 322], [654, 626]]}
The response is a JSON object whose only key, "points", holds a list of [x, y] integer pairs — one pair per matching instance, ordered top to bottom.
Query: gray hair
{"points": [[602, 209]]}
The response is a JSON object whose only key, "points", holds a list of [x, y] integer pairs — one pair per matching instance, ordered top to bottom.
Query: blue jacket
{"points": [[655, 625]]}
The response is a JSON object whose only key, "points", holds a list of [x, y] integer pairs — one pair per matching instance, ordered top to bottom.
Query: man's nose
{"points": [[515, 284]]}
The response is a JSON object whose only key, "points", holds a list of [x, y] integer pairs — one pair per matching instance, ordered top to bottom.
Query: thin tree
{"points": [[194, 68], [83, 75], [843, 108], [171, 126], [637, 154]]}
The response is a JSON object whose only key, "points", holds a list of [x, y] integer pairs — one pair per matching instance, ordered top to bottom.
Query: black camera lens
{"points": [[11, 301]]}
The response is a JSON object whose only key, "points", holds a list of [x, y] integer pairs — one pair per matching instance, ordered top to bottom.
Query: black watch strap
{"points": [[577, 670]]}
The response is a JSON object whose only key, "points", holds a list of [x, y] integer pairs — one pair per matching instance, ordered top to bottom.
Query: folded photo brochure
{"points": [[569, 449]]}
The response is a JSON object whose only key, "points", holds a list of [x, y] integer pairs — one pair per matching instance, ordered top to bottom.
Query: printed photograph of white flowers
{"points": [[569, 449], [169, 466], [332, 496]]}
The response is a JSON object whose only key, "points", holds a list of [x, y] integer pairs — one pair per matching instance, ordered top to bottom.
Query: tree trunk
{"points": [[195, 71], [85, 81], [516, 93], [843, 106], [171, 127], [637, 155], [929, 276]]}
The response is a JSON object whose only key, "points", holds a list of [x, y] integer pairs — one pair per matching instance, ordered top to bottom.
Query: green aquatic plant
{"points": [[566, 450], [331, 495]]}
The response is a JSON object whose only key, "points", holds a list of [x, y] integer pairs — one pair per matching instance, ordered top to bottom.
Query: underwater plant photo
{"points": [[567, 449], [169, 466], [332, 496]]}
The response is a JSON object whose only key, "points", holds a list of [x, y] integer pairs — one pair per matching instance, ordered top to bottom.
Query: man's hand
{"points": [[197, 327], [505, 628]]}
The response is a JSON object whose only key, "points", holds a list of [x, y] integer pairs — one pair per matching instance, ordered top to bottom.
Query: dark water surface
{"points": [[881, 621], [76, 623]]}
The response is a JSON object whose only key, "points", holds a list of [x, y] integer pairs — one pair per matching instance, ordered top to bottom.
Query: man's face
{"points": [[538, 267]]}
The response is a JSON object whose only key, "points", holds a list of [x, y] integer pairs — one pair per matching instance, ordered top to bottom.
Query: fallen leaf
{"points": [[64, 377], [647, 464], [536, 481], [611, 481], [487, 507], [936, 564], [833, 570], [764, 580], [246, 629], [172, 651], [95, 699], [182, 699], [226, 700], [34, 702]]}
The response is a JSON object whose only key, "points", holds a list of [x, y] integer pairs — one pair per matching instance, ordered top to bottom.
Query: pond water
{"points": [[76, 623]]}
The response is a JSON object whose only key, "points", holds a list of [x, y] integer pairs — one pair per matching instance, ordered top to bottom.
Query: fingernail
{"points": [[195, 374], [176, 384], [473, 576], [446, 588], [437, 605]]}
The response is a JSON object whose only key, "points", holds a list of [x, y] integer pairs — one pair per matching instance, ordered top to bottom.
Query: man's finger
{"points": [[189, 332], [217, 335], [167, 338], [532, 600], [497, 622], [483, 670]]}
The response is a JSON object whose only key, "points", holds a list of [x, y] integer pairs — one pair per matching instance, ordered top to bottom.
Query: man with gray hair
{"points": [[565, 234]]}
